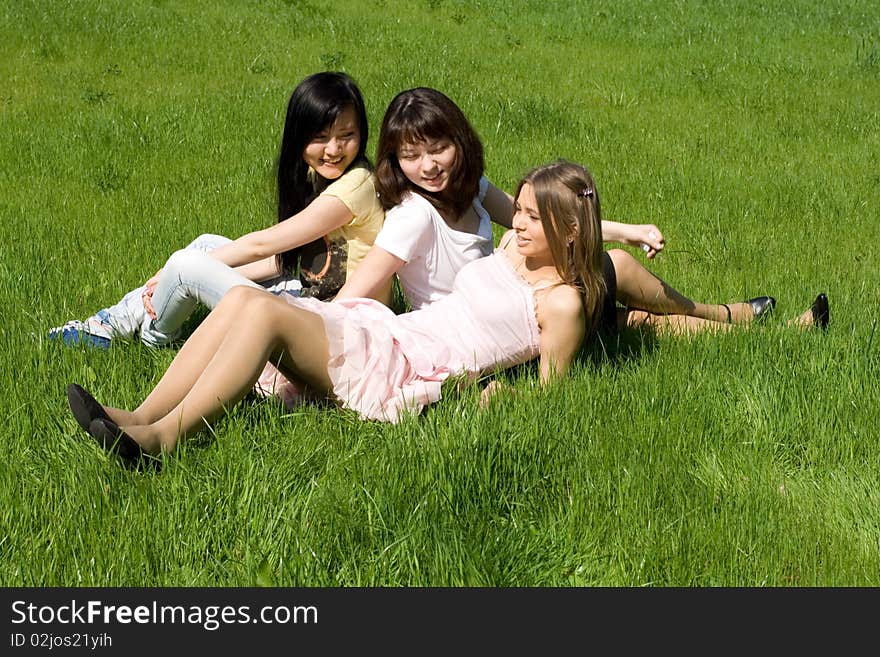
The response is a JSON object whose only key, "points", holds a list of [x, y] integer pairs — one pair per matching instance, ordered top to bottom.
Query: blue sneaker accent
{"points": [[104, 317], [73, 334]]}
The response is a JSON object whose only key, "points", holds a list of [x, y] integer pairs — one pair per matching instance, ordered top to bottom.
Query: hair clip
{"points": [[585, 192]]}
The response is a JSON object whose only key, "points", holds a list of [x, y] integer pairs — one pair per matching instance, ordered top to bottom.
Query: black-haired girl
{"points": [[328, 217]]}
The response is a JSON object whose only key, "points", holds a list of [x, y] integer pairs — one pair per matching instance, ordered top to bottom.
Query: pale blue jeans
{"points": [[189, 277]]}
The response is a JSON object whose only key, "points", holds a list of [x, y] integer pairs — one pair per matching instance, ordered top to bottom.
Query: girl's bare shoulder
{"points": [[562, 302]]}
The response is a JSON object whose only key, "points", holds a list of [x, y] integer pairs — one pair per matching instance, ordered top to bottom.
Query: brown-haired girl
{"points": [[439, 205], [439, 208]]}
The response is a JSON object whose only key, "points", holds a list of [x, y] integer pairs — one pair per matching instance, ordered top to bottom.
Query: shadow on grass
{"points": [[619, 348]]}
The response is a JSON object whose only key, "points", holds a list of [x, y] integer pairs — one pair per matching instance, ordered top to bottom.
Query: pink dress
{"points": [[383, 365]]}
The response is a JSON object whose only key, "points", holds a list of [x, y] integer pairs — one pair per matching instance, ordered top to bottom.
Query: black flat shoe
{"points": [[762, 306], [820, 311], [84, 407], [116, 441]]}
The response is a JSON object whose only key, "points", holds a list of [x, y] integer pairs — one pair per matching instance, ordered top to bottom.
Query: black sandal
{"points": [[761, 307], [820, 311], [84, 407], [113, 439]]}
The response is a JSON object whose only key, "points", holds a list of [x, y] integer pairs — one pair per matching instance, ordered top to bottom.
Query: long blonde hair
{"points": [[568, 204]]}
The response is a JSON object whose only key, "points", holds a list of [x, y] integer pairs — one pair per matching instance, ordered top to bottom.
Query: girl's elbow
{"points": [[260, 250]]}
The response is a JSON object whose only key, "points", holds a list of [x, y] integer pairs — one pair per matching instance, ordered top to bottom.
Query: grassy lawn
{"points": [[750, 133]]}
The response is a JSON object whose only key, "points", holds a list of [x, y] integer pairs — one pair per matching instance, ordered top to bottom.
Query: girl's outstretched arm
{"points": [[499, 205], [320, 217], [644, 236], [254, 254], [260, 270], [371, 277]]}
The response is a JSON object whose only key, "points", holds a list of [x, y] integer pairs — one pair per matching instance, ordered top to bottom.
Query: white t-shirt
{"points": [[433, 252]]}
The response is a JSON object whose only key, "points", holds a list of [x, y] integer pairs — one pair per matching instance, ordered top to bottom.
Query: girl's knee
{"points": [[207, 242], [621, 259], [186, 263], [244, 294], [238, 297], [258, 302], [264, 311]]}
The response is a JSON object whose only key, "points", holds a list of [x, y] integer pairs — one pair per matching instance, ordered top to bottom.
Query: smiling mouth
{"points": [[332, 162]]}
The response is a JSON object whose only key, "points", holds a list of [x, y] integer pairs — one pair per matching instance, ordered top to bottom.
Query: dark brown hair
{"points": [[426, 114]]}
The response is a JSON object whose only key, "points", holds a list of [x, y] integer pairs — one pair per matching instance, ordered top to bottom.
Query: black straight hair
{"points": [[314, 105]]}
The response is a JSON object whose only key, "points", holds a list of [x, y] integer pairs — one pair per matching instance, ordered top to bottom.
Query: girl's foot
{"points": [[748, 311], [816, 315], [75, 333], [84, 407], [122, 417], [146, 437], [114, 439], [128, 443]]}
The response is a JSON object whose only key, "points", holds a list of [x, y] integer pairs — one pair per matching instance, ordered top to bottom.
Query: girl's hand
{"points": [[647, 237], [147, 296], [489, 392]]}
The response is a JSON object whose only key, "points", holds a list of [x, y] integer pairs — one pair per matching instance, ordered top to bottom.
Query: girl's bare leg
{"points": [[663, 306], [669, 324], [682, 324], [269, 328], [190, 361]]}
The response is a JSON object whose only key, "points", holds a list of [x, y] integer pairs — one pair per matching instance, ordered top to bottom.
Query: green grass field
{"points": [[750, 133]]}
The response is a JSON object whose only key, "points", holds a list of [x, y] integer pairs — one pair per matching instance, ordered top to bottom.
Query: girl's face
{"points": [[335, 147], [427, 163], [531, 240]]}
